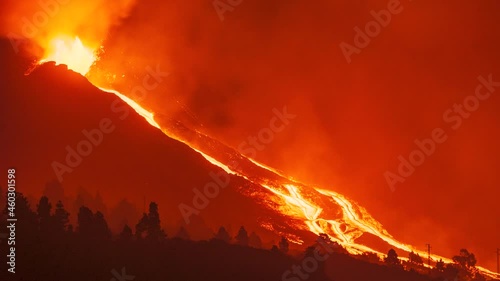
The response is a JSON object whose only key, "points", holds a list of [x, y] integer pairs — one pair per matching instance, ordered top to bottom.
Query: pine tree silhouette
{"points": [[44, 209], [61, 218], [85, 221], [27, 226], [92, 226], [141, 227], [101, 229], [154, 230], [126, 234], [222, 235], [242, 237], [283, 245], [275, 250], [415, 258], [392, 259]]}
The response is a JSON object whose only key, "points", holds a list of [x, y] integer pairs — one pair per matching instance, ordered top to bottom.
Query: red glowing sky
{"points": [[353, 119]]}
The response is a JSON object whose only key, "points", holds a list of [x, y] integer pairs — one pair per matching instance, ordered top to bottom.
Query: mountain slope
{"points": [[54, 112]]}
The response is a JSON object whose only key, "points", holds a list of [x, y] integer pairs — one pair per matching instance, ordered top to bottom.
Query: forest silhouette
{"points": [[50, 247]]}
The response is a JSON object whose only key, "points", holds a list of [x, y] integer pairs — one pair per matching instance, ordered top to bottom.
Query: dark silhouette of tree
{"points": [[23, 208], [43, 210], [61, 218], [85, 221], [27, 225], [149, 225], [92, 226], [141, 227], [101, 229], [154, 230], [126, 234], [182, 234], [222, 235], [242, 237], [254, 241], [325, 244], [283, 245], [275, 250], [310, 251], [316, 251], [74, 254], [370, 257], [415, 258], [392, 259], [465, 259], [465, 263], [440, 265], [450, 272]]}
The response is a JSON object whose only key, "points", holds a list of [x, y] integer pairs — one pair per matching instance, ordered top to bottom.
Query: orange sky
{"points": [[353, 119]]}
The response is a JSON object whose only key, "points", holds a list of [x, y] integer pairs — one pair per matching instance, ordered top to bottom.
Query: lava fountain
{"points": [[71, 52]]}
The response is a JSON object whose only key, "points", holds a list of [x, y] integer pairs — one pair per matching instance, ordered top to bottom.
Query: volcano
{"points": [[79, 135], [133, 161]]}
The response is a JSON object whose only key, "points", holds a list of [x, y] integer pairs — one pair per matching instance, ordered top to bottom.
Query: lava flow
{"points": [[71, 52], [298, 201]]}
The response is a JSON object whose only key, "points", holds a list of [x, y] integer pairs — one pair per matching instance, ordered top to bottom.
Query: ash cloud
{"points": [[353, 120]]}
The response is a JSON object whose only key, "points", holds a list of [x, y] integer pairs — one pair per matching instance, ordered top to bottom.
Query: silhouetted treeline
{"points": [[49, 247]]}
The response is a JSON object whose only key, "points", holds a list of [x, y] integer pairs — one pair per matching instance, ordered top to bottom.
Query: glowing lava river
{"points": [[318, 210]]}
